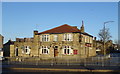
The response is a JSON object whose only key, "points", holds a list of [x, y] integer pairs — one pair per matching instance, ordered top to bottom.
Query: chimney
{"points": [[35, 32], [94, 38]]}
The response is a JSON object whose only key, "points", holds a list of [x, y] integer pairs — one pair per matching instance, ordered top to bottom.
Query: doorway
{"points": [[16, 51], [55, 51]]}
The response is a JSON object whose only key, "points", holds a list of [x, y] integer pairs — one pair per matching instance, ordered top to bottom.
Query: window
{"points": [[55, 37], [68, 37], [45, 38], [85, 39], [91, 40], [26, 50], [45, 50], [67, 50]]}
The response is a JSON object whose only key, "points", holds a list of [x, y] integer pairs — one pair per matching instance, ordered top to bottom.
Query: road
{"points": [[58, 69]]}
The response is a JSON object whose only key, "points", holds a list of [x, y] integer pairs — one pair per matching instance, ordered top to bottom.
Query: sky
{"points": [[60, 0], [19, 19]]}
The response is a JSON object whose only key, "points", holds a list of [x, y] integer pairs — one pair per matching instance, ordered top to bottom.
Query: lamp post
{"points": [[104, 36]]}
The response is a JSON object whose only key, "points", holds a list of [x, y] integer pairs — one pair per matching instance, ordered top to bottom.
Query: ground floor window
{"points": [[26, 50], [45, 50], [67, 50]]}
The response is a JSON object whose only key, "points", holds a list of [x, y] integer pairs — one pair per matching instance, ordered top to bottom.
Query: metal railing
{"points": [[93, 61]]}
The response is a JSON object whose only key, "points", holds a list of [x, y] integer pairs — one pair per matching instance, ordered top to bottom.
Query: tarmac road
{"points": [[58, 69]]}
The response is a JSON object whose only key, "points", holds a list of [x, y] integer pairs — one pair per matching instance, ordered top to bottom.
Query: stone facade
{"points": [[1, 41], [64, 42], [1, 45]]}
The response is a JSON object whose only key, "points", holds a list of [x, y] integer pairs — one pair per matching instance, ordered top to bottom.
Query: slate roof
{"points": [[9, 42]]}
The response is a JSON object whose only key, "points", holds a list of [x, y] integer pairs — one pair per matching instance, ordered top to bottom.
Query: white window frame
{"points": [[68, 37], [45, 38], [55, 38], [85, 38], [91, 40], [26, 50], [45, 50], [67, 50]]}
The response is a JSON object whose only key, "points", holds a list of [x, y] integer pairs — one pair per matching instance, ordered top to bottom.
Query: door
{"points": [[16, 51], [55, 51]]}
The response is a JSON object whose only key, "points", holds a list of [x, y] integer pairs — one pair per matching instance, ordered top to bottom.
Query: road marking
{"points": [[70, 70]]}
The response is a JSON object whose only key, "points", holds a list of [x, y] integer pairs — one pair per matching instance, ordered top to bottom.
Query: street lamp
{"points": [[107, 22], [104, 34]]}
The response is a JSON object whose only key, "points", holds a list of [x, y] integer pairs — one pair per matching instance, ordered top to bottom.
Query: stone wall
{"points": [[1, 41], [78, 44]]}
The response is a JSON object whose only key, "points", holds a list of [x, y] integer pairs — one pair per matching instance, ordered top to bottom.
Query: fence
{"points": [[93, 61]]}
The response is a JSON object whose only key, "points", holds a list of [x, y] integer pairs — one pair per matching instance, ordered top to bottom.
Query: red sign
{"points": [[88, 44], [75, 51]]}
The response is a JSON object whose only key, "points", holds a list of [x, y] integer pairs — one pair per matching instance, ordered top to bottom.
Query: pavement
{"points": [[59, 68]]}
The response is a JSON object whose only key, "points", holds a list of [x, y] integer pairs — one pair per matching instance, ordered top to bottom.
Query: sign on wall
{"points": [[88, 44], [75, 51]]}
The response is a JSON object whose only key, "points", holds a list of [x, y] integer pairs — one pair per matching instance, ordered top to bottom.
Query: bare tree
{"points": [[104, 36]]}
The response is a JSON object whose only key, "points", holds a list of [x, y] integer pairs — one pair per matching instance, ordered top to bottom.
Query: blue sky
{"points": [[19, 19]]}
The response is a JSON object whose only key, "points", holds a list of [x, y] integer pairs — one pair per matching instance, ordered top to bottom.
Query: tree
{"points": [[104, 36]]}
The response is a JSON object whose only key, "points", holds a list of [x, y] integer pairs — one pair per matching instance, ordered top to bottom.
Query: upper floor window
{"points": [[68, 37], [45, 38], [55, 38], [87, 39], [91, 40]]}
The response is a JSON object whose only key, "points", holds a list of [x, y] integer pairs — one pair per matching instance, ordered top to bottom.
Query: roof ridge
{"points": [[51, 29], [61, 29]]}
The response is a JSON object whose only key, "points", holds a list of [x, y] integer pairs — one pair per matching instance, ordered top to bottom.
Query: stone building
{"points": [[1, 41], [64, 41], [1, 45], [99, 47], [8, 48]]}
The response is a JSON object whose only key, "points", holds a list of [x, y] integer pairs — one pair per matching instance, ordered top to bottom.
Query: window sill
{"points": [[45, 53], [67, 54]]}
